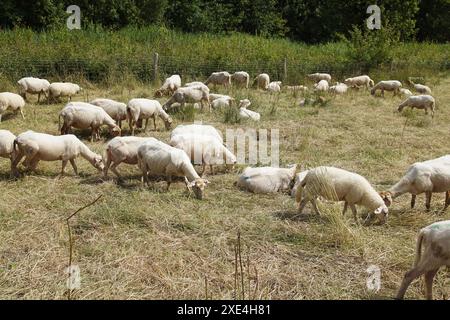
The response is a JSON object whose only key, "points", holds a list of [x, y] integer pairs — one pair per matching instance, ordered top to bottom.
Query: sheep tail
{"points": [[419, 247]]}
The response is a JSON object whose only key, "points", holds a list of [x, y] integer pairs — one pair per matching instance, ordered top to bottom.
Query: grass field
{"points": [[138, 243]]}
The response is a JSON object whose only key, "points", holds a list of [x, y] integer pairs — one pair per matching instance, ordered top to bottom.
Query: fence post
{"points": [[155, 66], [285, 70]]}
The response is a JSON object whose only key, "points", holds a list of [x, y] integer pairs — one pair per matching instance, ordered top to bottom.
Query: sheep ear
{"points": [[378, 210]]}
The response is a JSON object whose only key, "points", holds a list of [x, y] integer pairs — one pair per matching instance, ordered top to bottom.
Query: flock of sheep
{"points": [[204, 145]]}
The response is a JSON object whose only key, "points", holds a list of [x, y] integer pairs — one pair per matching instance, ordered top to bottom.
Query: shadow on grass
{"points": [[293, 215]]}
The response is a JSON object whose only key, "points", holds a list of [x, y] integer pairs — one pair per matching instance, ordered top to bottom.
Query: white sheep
{"points": [[316, 77], [219, 78], [241, 78], [363, 80], [262, 81], [197, 85], [322, 85], [388, 85], [33, 86], [169, 86], [274, 86], [338, 88], [421, 88], [62, 89], [404, 92], [189, 95], [214, 96], [11, 101], [224, 102], [425, 102], [143, 109], [116, 110], [246, 113], [82, 115], [199, 129], [7, 146], [45, 147], [122, 149], [203, 150], [158, 158], [427, 177], [266, 179], [337, 184], [435, 240]]}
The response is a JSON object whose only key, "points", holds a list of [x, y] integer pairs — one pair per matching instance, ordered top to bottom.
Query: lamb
{"points": [[316, 77], [219, 78], [241, 78], [262, 81], [359, 81], [322, 85], [388, 85], [33, 86], [169, 86], [274, 86], [339, 88], [62, 89], [404, 92], [189, 95], [12, 101], [224, 102], [425, 102], [140, 109], [116, 110], [247, 114], [82, 115], [199, 129], [7, 146], [40, 146], [122, 149], [203, 150], [158, 158], [430, 176], [266, 179], [340, 185], [435, 240]]}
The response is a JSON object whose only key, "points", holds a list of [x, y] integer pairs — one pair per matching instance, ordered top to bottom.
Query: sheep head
{"points": [[168, 123], [116, 131], [97, 162], [198, 186], [387, 197], [382, 213]]}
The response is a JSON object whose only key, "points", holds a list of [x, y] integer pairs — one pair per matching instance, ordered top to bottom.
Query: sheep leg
{"points": [[39, 97], [21, 113], [154, 122], [146, 124], [92, 134], [16, 161], [33, 164], [107, 164], [74, 166], [63, 167], [203, 169], [211, 169], [114, 170], [169, 181], [428, 200], [447, 200], [413, 201], [314, 204], [302, 205], [345, 208], [355, 213], [429, 276], [407, 279]]}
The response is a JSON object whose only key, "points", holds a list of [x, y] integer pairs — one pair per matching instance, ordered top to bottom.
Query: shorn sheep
{"points": [[316, 77], [221, 78], [241, 78], [363, 80], [262, 81], [197, 85], [322, 85], [388, 85], [33, 86], [169, 86], [274, 86], [338, 88], [62, 89], [404, 92], [189, 95], [11, 101], [223, 102], [425, 102], [143, 109], [116, 110], [246, 113], [199, 129], [7, 146], [37, 147], [158, 158], [431, 176], [267, 179], [340, 185], [435, 240]]}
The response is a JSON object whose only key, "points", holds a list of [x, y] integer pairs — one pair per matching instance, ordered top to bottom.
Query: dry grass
{"points": [[148, 244]]}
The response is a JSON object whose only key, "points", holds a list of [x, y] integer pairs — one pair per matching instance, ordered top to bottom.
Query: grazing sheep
{"points": [[316, 77], [219, 78], [241, 78], [262, 81], [359, 81], [197, 85], [322, 85], [388, 85], [33, 86], [169, 86], [274, 86], [338, 88], [421, 88], [62, 89], [404, 92], [189, 95], [214, 96], [11, 101], [224, 102], [425, 102], [140, 109], [116, 110], [247, 114], [82, 115], [198, 129], [7, 146], [40, 146], [122, 149], [203, 150], [158, 158], [429, 176], [267, 179], [298, 180], [340, 185], [435, 240]]}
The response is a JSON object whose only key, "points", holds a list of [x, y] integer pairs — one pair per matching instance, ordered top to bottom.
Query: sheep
{"points": [[316, 77], [219, 78], [241, 78], [262, 81], [359, 81], [197, 85], [322, 85], [388, 85], [34, 86], [169, 86], [274, 86], [338, 88], [421, 88], [62, 89], [404, 92], [189, 95], [214, 96], [12, 101], [223, 102], [425, 102], [140, 109], [116, 110], [247, 114], [82, 115], [199, 129], [7, 146], [40, 146], [122, 149], [203, 150], [158, 158], [429, 176], [267, 179], [297, 181], [340, 185], [435, 240]]}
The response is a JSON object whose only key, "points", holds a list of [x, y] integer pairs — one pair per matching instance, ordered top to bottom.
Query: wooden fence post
{"points": [[155, 66], [285, 70]]}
